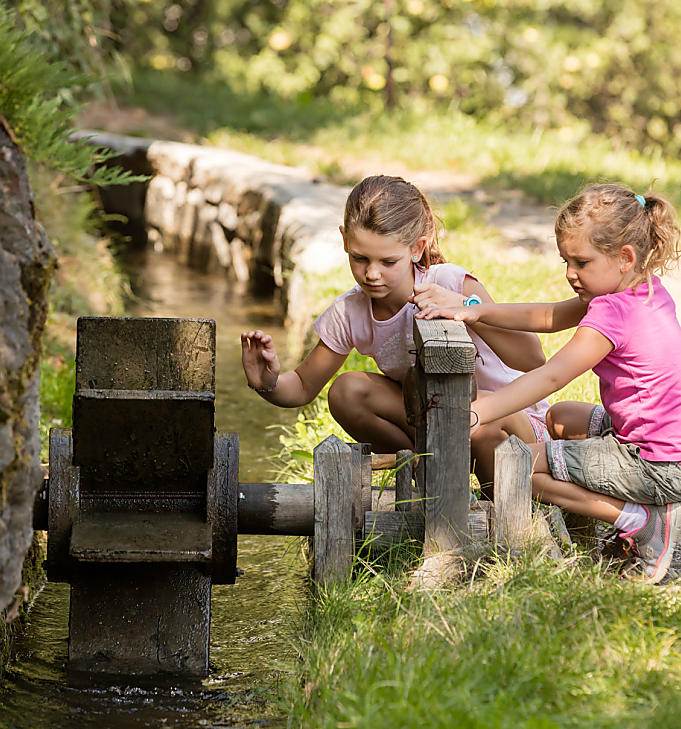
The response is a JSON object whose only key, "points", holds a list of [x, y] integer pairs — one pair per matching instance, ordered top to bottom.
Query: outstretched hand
{"points": [[431, 297], [466, 314], [259, 359]]}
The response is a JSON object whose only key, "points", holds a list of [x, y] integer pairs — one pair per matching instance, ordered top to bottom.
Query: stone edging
{"points": [[219, 209]]}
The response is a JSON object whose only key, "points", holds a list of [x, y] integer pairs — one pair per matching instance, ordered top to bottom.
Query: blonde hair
{"points": [[393, 207], [612, 216]]}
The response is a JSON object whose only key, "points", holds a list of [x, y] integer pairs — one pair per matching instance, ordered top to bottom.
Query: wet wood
{"points": [[129, 353], [512, 492], [63, 502], [221, 507], [276, 508], [333, 529], [133, 538]]}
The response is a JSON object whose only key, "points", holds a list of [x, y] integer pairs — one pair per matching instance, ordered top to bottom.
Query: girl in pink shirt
{"points": [[390, 238], [619, 462]]}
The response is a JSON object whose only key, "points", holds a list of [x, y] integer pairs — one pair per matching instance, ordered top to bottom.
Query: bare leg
{"points": [[369, 407], [569, 420], [489, 436], [568, 495]]}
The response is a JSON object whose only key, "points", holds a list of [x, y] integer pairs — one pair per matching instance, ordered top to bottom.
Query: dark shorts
{"points": [[602, 464]]}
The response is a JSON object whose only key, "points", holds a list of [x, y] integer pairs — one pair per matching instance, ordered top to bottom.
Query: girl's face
{"points": [[382, 265], [593, 273]]}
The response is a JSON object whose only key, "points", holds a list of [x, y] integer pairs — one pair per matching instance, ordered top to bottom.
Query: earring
{"points": [[416, 258]]}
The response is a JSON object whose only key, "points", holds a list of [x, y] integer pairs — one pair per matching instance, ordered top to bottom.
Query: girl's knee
{"points": [[349, 388], [568, 420]]}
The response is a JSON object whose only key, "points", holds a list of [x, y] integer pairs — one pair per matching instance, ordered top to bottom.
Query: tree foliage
{"points": [[612, 65], [38, 105]]}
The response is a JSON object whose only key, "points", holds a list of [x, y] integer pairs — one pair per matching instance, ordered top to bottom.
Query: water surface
{"points": [[251, 645]]}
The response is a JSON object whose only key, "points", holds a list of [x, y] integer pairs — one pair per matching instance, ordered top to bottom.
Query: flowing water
{"points": [[251, 645]]}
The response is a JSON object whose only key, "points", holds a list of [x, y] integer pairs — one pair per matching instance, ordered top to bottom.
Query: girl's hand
{"points": [[433, 296], [466, 314], [259, 359]]}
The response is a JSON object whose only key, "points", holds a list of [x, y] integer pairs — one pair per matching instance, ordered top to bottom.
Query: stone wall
{"points": [[219, 209], [26, 264]]}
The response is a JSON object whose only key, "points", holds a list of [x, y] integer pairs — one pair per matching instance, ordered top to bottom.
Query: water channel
{"points": [[251, 638]]}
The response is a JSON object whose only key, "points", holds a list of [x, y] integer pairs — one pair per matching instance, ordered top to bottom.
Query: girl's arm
{"points": [[552, 317], [520, 350], [583, 352], [291, 389]]}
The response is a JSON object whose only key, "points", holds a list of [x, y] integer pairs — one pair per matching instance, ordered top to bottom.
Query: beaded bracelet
{"points": [[263, 390]]}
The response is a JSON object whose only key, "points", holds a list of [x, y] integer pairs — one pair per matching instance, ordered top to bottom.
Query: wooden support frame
{"points": [[445, 362], [334, 543]]}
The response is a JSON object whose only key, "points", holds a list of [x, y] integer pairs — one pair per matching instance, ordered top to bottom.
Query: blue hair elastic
{"points": [[641, 200]]}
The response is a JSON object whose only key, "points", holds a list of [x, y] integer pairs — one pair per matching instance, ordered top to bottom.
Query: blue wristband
{"points": [[472, 300]]}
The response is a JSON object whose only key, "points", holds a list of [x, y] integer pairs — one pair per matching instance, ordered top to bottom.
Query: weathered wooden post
{"points": [[445, 361], [403, 477], [512, 492], [334, 545]]}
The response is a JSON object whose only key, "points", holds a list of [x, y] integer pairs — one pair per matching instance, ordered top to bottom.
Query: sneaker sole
{"points": [[662, 565]]}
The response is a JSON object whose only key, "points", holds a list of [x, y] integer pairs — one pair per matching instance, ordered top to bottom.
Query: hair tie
{"points": [[641, 200]]}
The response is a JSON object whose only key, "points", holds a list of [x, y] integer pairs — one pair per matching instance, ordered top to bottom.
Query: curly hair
{"points": [[393, 207]]}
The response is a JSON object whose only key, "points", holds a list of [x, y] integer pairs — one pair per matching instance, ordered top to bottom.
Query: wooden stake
{"points": [[445, 363], [512, 492], [333, 528]]}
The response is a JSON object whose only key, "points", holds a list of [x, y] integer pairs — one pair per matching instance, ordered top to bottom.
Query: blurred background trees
{"points": [[610, 65]]}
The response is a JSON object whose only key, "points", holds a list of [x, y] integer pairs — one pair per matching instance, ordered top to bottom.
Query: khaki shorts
{"points": [[602, 464]]}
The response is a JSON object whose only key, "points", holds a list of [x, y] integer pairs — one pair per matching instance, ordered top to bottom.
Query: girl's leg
{"points": [[369, 407], [569, 420], [487, 437], [569, 495], [653, 540]]}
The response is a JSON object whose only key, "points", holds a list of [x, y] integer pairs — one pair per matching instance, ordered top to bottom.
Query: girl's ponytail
{"points": [[664, 251]]}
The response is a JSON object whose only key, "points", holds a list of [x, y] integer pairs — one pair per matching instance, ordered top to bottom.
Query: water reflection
{"points": [[251, 621]]}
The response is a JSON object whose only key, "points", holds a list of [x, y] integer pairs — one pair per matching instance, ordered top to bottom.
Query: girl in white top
{"points": [[389, 235]]}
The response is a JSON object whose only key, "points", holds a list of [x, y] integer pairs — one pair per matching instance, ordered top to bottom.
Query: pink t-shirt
{"points": [[349, 322], [640, 379]]}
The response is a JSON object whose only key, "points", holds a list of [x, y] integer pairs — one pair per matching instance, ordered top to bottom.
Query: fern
{"points": [[32, 93]]}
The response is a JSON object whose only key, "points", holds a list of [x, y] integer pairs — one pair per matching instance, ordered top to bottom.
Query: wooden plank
{"points": [[443, 346], [145, 353], [446, 359], [359, 452], [366, 477], [403, 478], [222, 484], [512, 492], [382, 498], [63, 503], [333, 529], [384, 529], [146, 537], [148, 619]]}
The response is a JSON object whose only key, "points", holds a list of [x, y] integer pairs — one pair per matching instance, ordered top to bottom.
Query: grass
{"points": [[550, 165], [87, 282], [522, 644], [533, 644]]}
